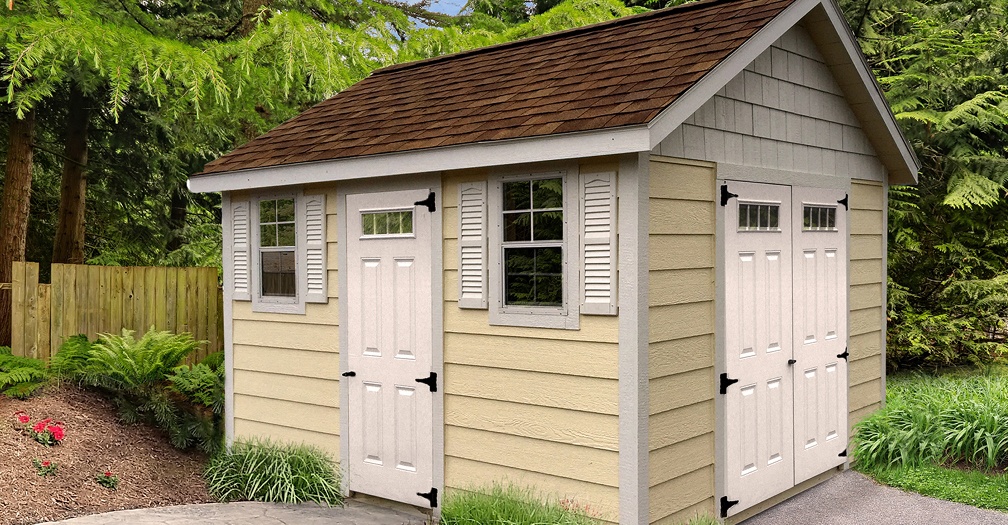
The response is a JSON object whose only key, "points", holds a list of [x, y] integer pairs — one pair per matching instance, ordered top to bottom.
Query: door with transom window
{"points": [[389, 334], [783, 384]]}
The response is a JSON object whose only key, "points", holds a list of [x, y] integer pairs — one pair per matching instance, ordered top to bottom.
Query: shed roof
{"points": [[613, 76]]}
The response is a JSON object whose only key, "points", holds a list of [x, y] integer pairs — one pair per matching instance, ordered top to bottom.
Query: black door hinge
{"points": [[726, 195], [844, 201], [429, 202], [844, 355], [791, 361], [349, 374], [430, 381], [725, 383], [842, 454], [430, 496], [727, 504]]}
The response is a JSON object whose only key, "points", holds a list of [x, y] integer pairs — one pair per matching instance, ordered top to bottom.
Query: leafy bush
{"points": [[72, 357], [20, 377], [202, 385], [938, 419], [260, 470], [512, 505]]}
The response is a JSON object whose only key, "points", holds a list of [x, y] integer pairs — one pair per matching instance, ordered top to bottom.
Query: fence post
{"points": [[31, 278], [17, 308], [44, 322]]}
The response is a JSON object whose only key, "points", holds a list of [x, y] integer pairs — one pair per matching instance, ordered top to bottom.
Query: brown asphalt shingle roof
{"points": [[618, 73]]}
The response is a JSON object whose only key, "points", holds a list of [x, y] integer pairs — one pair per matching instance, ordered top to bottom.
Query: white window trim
{"points": [[278, 305], [567, 316]]}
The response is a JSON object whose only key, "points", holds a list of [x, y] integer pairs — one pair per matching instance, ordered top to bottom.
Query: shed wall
{"points": [[785, 111], [867, 310], [681, 339], [286, 367], [537, 407]]}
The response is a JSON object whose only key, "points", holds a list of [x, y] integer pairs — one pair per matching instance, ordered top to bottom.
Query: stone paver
{"points": [[851, 498], [253, 513]]}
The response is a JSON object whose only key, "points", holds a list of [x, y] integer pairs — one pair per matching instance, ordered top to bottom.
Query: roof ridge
{"points": [[630, 19]]}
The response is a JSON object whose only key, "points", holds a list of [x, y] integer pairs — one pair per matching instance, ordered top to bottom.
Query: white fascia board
{"points": [[836, 19], [699, 93], [615, 141]]}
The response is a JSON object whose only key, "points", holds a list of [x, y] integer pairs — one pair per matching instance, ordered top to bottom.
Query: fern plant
{"points": [[71, 359], [20, 377], [202, 385]]}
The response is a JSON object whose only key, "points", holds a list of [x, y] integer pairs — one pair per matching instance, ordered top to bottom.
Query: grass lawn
{"points": [[943, 436]]}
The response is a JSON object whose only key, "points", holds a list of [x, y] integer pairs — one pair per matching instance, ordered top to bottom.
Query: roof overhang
{"points": [[613, 141]]}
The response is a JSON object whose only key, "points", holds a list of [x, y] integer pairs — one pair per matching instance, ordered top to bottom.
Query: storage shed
{"points": [[639, 264]]}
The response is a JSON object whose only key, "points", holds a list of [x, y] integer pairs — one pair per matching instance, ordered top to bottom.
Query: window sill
{"points": [[279, 308], [557, 321]]}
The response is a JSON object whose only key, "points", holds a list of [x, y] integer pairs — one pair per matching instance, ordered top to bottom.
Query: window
{"points": [[758, 217], [819, 218], [387, 223], [532, 236], [533, 242], [277, 245]]}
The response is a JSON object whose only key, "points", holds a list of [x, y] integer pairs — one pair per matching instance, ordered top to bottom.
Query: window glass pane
{"points": [[547, 193], [517, 195], [285, 210], [267, 211], [743, 216], [753, 217], [764, 217], [808, 218], [831, 218], [406, 219], [774, 221], [367, 224], [380, 224], [394, 224], [547, 226], [517, 227], [267, 235], [285, 235], [278, 275], [533, 276]]}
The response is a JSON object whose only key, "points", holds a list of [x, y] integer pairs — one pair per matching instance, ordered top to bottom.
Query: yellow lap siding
{"points": [[680, 217], [676, 252], [865, 271], [667, 287], [680, 320], [320, 338], [865, 345], [534, 355], [680, 355], [286, 361], [534, 388], [687, 388], [308, 390], [865, 394], [322, 419], [677, 425], [247, 429], [584, 429], [679, 458], [583, 464], [681, 493], [704, 508]]}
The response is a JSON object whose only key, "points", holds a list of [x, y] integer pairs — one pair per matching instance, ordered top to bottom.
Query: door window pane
{"points": [[819, 218], [387, 222], [533, 276]]}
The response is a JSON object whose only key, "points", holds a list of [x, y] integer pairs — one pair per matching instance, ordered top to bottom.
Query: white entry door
{"points": [[389, 345], [784, 381]]}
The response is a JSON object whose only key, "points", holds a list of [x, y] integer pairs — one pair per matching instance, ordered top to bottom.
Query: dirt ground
{"points": [[151, 472]]}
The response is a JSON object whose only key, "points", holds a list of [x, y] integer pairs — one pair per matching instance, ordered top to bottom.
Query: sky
{"points": [[450, 7]]}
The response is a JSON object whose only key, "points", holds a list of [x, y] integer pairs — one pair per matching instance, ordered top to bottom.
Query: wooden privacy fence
{"points": [[84, 299]]}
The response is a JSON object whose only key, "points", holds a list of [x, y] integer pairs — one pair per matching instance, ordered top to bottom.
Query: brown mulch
{"points": [[151, 472]]}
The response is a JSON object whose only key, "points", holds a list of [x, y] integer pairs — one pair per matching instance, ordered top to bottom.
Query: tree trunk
{"points": [[250, 10], [16, 202], [177, 218], [68, 246]]}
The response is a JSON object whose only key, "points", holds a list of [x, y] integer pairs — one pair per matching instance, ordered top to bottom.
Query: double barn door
{"points": [[783, 382]]}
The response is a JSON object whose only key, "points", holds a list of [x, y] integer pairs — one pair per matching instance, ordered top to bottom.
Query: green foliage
{"points": [[941, 65], [72, 357], [136, 368], [20, 377], [944, 419], [260, 470], [977, 489], [511, 504]]}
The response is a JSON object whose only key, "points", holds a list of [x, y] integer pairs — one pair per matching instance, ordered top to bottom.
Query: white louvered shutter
{"points": [[237, 222], [598, 242], [472, 245], [316, 290]]}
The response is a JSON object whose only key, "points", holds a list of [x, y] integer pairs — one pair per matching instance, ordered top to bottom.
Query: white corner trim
{"points": [[700, 92], [481, 154], [632, 225], [227, 262]]}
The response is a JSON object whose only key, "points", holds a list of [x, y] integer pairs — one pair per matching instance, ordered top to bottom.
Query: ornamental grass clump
{"points": [[939, 420], [261, 470], [512, 505]]}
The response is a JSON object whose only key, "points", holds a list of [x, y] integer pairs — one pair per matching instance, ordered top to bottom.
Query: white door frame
{"points": [[431, 182]]}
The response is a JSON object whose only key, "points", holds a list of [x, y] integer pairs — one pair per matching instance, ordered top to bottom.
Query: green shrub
{"points": [[71, 359], [20, 377], [202, 385], [938, 419], [260, 470], [511, 505]]}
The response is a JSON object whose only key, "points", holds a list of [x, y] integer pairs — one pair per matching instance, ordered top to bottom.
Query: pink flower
{"points": [[23, 418], [56, 431], [46, 463], [108, 474]]}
